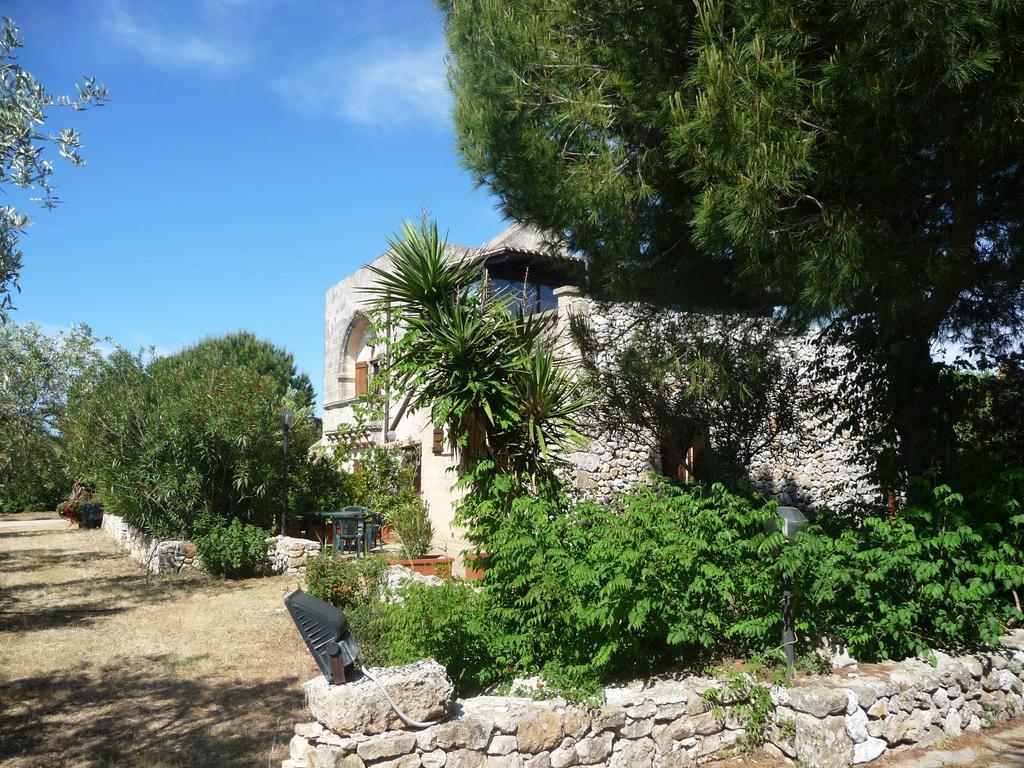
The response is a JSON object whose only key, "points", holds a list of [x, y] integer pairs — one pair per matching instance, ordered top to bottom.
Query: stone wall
{"points": [[808, 466], [284, 554], [289, 555], [158, 556], [833, 721]]}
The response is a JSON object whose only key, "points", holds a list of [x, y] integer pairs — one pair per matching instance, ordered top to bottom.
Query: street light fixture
{"points": [[287, 418], [790, 521]]}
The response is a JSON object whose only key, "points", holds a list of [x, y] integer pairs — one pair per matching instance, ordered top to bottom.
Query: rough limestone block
{"points": [[422, 690], [818, 700], [466, 733], [541, 733], [823, 742], [387, 745], [594, 749], [868, 750]]}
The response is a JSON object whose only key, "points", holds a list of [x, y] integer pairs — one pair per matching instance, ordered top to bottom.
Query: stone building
{"points": [[808, 466]]}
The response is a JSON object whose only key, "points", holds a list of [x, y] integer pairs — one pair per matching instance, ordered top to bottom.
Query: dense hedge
{"points": [[180, 445], [669, 576]]}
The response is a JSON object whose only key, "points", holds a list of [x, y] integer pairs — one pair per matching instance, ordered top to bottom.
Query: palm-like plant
{"points": [[485, 372]]}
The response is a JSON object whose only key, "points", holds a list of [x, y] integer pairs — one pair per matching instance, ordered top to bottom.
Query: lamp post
{"points": [[286, 417], [791, 520]]}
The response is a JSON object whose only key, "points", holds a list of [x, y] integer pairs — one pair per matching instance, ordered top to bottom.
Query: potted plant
{"points": [[414, 531]]}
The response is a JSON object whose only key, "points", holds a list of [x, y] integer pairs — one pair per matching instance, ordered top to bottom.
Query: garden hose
{"points": [[404, 717]]}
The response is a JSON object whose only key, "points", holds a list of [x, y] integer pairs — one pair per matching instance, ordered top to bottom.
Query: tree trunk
{"points": [[919, 405]]}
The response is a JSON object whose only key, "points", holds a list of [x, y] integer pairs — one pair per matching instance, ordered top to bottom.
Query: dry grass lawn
{"points": [[100, 667]]}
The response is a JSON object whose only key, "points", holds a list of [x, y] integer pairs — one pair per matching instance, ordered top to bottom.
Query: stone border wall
{"points": [[284, 553], [289, 555], [158, 556], [848, 718]]}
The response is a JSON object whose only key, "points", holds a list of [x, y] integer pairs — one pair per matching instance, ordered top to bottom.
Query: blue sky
{"points": [[253, 153]]}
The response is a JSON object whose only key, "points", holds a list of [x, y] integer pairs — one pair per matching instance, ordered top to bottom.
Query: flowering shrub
{"points": [[345, 582]]}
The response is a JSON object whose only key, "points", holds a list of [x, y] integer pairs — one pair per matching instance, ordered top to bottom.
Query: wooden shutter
{"points": [[362, 378], [438, 446]]}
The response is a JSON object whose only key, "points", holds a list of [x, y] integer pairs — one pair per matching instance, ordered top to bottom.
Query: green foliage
{"points": [[23, 106], [757, 155], [246, 350], [480, 369], [37, 372], [182, 443], [387, 477], [317, 484], [413, 527], [234, 551], [669, 575], [927, 578], [345, 582], [581, 590], [447, 623]]}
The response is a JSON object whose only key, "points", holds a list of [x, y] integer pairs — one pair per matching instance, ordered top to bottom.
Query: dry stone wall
{"points": [[807, 466], [284, 553], [157, 555], [289, 555], [832, 721]]}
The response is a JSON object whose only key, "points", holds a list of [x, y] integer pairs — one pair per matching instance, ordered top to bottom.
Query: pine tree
{"points": [[855, 163]]}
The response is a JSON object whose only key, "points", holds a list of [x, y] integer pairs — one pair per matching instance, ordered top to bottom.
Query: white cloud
{"points": [[168, 48], [381, 86]]}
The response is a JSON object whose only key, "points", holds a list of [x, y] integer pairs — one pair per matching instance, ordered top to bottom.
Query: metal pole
{"points": [[284, 505], [787, 622]]}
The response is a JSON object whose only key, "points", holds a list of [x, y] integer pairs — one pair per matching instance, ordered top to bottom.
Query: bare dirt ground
{"points": [[100, 667]]}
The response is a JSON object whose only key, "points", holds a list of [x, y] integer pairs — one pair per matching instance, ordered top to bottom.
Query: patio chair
{"points": [[370, 526], [347, 529]]}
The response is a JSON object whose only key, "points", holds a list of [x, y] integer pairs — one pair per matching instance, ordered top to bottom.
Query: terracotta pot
{"points": [[387, 533], [438, 565], [474, 571]]}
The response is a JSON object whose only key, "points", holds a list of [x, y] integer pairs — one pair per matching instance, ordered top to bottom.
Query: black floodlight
{"points": [[325, 630]]}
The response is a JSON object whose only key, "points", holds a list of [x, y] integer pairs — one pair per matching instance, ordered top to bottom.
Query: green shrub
{"points": [[182, 443], [316, 484], [413, 527], [235, 551], [667, 575], [932, 577], [345, 582], [581, 590], [447, 623]]}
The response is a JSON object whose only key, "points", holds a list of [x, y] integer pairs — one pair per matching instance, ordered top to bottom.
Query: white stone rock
{"points": [[422, 690], [857, 725], [501, 745], [868, 750]]}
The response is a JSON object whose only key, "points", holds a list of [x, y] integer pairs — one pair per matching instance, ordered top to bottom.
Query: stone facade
{"points": [[807, 466], [156, 555], [831, 721]]}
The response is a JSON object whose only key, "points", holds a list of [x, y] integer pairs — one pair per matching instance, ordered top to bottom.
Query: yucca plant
{"points": [[484, 371]]}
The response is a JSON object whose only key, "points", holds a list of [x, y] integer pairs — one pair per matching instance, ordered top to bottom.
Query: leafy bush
{"points": [[183, 443], [316, 484], [413, 527], [235, 551], [666, 574], [931, 577], [345, 582], [579, 590], [447, 623]]}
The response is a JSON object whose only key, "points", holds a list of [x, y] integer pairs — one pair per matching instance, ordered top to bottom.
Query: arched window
{"points": [[357, 360]]}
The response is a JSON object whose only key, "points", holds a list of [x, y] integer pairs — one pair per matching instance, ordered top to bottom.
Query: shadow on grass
{"points": [[13, 561], [145, 711]]}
